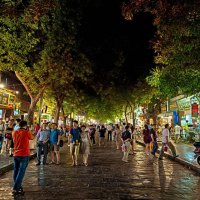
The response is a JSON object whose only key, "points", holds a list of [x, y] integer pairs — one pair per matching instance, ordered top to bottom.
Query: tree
{"points": [[176, 43], [31, 44], [21, 46]]}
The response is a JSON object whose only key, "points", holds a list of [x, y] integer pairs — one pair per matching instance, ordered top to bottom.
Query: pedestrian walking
{"points": [[17, 121], [123, 127], [36, 128], [110, 129], [2, 130], [131, 130], [177, 132], [92, 133], [102, 133], [117, 135], [8, 136], [55, 137], [126, 138], [146, 138], [21, 139], [42, 139], [75, 140], [154, 140], [167, 142], [85, 144]]}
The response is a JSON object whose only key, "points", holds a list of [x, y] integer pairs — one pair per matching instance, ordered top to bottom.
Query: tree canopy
{"points": [[176, 43]]}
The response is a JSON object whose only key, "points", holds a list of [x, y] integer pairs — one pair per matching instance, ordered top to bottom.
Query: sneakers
{"points": [[19, 192]]}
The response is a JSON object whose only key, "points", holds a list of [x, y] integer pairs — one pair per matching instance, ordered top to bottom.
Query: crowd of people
{"points": [[49, 138]]}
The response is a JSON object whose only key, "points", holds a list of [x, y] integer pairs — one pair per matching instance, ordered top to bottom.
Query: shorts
{"points": [[8, 136], [54, 147], [74, 149]]}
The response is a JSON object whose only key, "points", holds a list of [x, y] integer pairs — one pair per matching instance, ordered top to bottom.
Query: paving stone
{"points": [[106, 177]]}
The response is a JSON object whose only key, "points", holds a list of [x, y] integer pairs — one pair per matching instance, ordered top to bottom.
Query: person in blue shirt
{"points": [[16, 127], [42, 139], [54, 139], [75, 140], [154, 140]]}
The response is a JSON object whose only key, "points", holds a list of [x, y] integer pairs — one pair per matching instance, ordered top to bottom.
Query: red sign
{"points": [[195, 110]]}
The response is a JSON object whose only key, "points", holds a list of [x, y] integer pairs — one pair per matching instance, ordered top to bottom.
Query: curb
{"points": [[178, 160], [10, 166]]}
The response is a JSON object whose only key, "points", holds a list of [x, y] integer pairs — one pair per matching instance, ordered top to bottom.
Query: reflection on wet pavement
{"points": [[107, 177]]}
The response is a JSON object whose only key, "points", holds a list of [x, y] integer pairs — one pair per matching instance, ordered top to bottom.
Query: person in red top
{"points": [[37, 128], [21, 139]]}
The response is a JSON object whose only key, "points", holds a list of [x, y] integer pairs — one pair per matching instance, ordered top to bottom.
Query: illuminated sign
{"points": [[7, 99], [184, 104], [195, 110]]}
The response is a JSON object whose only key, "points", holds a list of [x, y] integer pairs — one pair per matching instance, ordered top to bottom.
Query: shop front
{"points": [[7, 104], [170, 112], [139, 117], [189, 117]]}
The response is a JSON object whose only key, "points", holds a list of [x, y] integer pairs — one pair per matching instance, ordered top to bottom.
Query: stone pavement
{"points": [[185, 152], [6, 162], [107, 177]]}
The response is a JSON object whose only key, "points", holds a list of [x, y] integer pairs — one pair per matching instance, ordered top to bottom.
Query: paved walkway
{"points": [[185, 152], [6, 162], [107, 177]]}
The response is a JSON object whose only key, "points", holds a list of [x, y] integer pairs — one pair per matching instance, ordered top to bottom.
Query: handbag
{"points": [[8, 135], [123, 147], [165, 148]]}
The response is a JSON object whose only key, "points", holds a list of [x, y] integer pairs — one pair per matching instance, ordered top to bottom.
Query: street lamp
{"points": [[2, 85]]}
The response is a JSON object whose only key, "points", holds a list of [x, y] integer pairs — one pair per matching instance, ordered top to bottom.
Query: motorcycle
{"points": [[197, 152]]}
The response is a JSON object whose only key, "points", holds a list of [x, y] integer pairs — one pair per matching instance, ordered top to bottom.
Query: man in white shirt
{"points": [[110, 129], [177, 131], [166, 141]]}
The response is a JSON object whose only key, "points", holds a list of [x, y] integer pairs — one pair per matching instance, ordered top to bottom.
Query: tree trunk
{"points": [[34, 97], [40, 109], [31, 112], [57, 113], [126, 113], [133, 114], [64, 117], [71, 120]]}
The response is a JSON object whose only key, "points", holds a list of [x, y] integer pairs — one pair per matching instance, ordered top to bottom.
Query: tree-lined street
{"points": [[70, 69]]}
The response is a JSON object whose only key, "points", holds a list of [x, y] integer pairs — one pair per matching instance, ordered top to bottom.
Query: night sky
{"points": [[105, 34]]}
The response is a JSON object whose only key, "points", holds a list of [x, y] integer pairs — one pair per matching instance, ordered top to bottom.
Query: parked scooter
{"points": [[197, 152]]}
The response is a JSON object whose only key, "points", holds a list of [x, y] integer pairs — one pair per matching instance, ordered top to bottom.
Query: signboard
{"points": [[4, 99], [7, 99], [184, 104], [195, 110]]}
